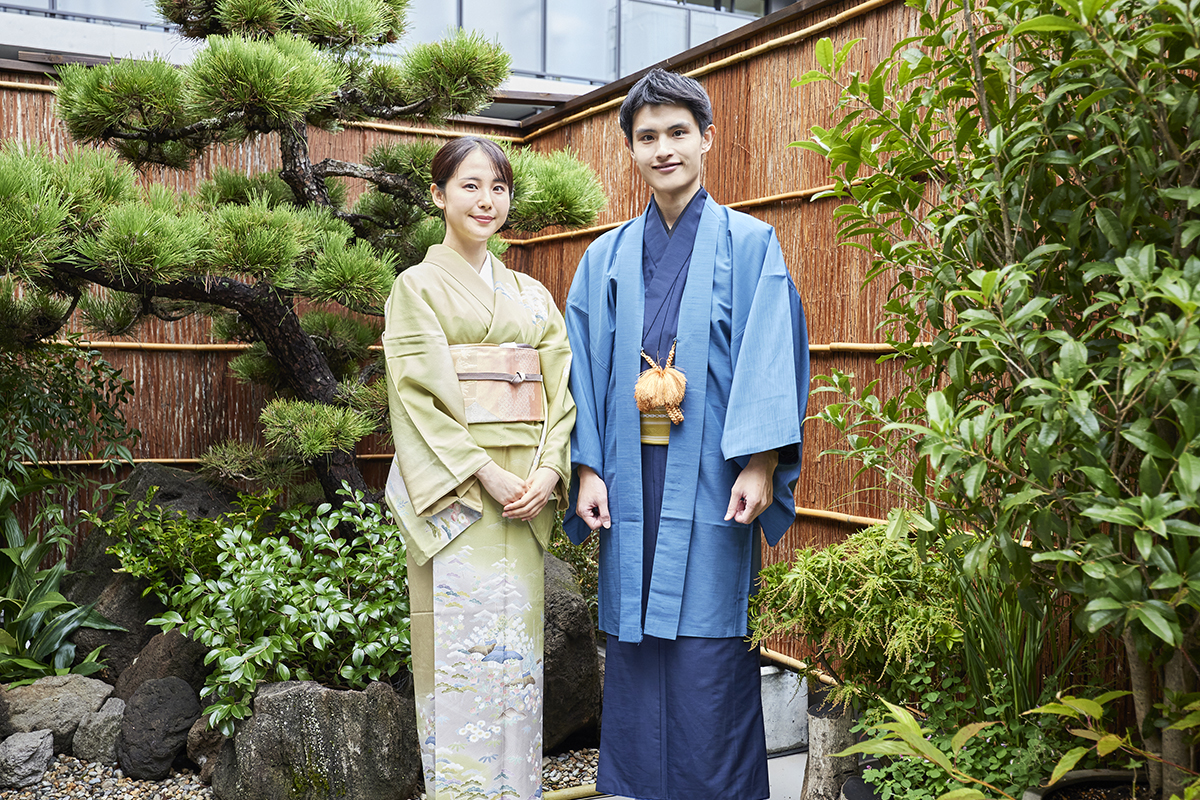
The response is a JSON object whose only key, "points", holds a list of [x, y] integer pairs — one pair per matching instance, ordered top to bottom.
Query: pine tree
{"points": [[252, 251]]}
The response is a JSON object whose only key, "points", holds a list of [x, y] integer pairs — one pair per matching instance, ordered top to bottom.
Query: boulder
{"points": [[118, 596], [165, 655], [572, 666], [56, 704], [155, 727], [96, 737], [307, 742], [204, 748], [24, 758]]}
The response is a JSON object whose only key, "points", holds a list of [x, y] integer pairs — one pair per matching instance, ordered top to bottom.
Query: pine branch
{"points": [[350, 98], [174, 134], [387, 182]]}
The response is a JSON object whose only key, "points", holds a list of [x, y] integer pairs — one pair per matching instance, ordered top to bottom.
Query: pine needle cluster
{"points": [[310, 431]]}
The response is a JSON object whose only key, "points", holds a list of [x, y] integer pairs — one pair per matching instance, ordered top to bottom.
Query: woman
{"points": [[477, 366]]}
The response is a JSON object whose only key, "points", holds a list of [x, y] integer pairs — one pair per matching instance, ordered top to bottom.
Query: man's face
{"points": [[667, 148]]}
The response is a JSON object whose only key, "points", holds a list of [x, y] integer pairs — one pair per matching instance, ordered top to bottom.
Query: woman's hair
{"points": [[661, 88], [447, 159]]}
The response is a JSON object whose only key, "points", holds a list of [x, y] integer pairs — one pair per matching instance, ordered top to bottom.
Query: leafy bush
{"points": [[163, 545], [311, 604], [871, 604], [36, 621]]}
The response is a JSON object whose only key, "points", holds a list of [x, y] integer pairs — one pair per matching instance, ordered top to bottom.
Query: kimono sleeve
{"points": [[589, 325], [554, 352], [768, 397], [437, 457]]}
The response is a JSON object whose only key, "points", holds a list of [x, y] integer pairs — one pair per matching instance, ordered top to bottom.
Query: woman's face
{"points": [[475, 201]]}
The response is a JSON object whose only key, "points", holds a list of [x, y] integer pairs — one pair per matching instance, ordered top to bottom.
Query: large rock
{"points": [[118, 596], [165, 655], [572, 666], [56, 704], [155, 727], [96, 737], [307, 742], [204, 747], [24, 758]]}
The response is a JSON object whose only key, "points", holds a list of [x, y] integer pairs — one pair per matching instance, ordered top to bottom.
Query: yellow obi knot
{"points": [[656, 426]]}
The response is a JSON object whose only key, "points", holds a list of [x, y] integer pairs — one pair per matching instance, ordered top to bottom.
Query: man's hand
{"points": [[502, 485], [537, 493], [752, 493], [592, 506]]}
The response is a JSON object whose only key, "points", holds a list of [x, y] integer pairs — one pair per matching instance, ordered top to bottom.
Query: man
{"points": [[679, 493]]}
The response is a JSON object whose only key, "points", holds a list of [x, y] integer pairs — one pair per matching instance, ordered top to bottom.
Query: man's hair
{"points": [[661, 88]]}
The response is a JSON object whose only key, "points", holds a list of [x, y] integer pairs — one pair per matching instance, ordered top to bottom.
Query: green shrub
{"points": [[162, 545], [312, 604], [871, 604]]}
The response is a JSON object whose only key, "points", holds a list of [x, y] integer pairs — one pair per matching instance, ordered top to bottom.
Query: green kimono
{"points": [[475, 578]]}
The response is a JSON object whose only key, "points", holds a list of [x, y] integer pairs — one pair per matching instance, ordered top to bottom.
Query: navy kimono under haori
{"points": [[682, 715]]}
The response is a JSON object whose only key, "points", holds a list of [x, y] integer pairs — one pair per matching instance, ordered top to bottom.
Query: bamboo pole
{"points": [[33, 87], [444, 133], [163, 346], [832, 347], [837, 516], [796, 664], [573, 793]]}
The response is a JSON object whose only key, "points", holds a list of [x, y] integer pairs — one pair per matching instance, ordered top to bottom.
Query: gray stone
{"points": [[118, 596], [165, 655], [572, 666], [56, 703], [155, 727], [96, 737], [307, 742], [204, 748], [24, 758]]}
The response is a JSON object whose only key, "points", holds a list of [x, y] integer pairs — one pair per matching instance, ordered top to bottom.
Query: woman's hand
{"points": [[504, 487], [537, 494]]}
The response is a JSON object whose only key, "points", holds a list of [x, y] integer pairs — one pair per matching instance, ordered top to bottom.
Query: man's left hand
{"points": [[752, 491]]}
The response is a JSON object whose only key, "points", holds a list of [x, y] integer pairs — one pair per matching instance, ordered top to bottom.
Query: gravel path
{"points": [[71, 779]]}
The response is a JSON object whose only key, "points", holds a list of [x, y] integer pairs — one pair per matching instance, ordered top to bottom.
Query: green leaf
{"points": [[1047, 22], [824, 53], [965, 734], [1108, 744], [1067, 763]]}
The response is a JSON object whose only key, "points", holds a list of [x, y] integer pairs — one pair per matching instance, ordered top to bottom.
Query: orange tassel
{"points": [[661, 387]]}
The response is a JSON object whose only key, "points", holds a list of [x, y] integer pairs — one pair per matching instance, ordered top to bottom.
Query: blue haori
{"points": [[683, 721]]}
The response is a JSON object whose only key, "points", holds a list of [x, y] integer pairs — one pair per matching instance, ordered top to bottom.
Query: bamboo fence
{"points": [[186, 400]]}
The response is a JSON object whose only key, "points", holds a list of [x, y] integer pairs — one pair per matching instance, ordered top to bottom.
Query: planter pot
{"points": [[1101, 778]]}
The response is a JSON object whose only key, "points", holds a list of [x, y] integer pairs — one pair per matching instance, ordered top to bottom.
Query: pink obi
{"points": [[500, 383]]}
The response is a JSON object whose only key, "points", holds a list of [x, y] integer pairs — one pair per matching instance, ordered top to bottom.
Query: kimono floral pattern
{"points": [[481, 726]]}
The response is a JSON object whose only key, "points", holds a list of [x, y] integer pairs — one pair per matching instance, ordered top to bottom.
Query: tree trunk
{"points": [[1141, 678], [828, 733], [1175, 749]]}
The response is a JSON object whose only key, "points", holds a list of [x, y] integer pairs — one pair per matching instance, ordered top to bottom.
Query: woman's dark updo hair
{"points": [[447, 159]]}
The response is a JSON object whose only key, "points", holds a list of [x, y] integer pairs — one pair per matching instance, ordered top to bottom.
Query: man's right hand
{"points": [[592, 506]]}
